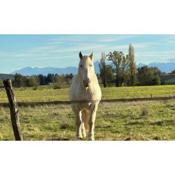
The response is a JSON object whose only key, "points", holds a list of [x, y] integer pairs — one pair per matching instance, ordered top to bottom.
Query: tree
{"points": [[118, 59], [102, 66], [132, 66], [125, 70], [109, 74], [149, 76], [50, 78], [68, 78], [42, 79], [19, 80], [33, 81], [1, 83]]}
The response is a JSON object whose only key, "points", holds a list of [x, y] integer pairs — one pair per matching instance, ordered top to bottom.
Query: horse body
{"points": [[85, 94]]}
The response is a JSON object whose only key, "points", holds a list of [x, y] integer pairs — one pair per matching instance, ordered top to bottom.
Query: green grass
{"points": [[46, 93], [154, 120], [115, 121]]}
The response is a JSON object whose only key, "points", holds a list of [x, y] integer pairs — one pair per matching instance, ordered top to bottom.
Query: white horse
{"points": [[85, 94]]}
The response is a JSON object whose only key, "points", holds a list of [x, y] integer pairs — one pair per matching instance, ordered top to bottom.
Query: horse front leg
{"points": [[92, 118], [78, 125]]}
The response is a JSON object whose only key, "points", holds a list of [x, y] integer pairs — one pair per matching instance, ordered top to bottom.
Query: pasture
{"points": [[49, 93], [146, 120]]}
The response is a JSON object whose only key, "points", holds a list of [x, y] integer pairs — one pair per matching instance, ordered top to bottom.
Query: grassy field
{"points": [[48, 93], [146, 120], [115, 121]]}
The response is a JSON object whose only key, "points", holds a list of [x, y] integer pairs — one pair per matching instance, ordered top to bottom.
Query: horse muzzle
{"points": [[86, 83]]}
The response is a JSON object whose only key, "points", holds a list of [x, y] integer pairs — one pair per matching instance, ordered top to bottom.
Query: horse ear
{"points": [[80, 55], [91, 55]]}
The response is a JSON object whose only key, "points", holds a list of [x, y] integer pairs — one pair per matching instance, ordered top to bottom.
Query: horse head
{"points": [[86, 69]]}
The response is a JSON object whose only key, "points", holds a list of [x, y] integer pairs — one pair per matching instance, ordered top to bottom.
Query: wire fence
{"points": [[25, 104]]}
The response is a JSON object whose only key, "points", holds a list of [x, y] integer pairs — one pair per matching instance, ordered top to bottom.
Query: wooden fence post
{"points": [[13, 109]]}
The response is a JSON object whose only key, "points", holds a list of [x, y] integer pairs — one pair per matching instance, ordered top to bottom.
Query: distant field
{"points": [[48, 93], [115, 121]]}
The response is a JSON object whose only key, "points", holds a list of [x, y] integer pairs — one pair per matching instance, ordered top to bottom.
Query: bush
{"points": [[149, 76], [1, 84], [57, 86], [35, 88]]}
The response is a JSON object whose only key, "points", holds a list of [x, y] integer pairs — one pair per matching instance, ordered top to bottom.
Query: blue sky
{"points": [[18, 51]]}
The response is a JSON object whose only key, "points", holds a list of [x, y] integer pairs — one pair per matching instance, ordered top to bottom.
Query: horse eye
{"points": [[81, 65], [90, 65]]}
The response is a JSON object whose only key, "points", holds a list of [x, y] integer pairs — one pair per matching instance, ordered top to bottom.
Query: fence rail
{"points": [[25, 104]]}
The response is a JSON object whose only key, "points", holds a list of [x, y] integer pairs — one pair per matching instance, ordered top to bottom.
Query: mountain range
{"points": [[164, 67], [46, 70], [52, 70]]}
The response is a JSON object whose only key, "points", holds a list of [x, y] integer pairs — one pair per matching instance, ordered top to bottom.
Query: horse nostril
{"points": [[86, 83]]}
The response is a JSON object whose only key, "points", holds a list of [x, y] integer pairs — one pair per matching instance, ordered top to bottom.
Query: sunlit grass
{"points": [[48, 93], [115, 121]]}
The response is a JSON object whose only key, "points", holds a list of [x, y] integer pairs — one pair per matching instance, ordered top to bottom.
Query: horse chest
{"points": [[79, 93], [85, 94]]}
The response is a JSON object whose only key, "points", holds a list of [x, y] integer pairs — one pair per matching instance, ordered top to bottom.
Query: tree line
{"points": [[121, 70], [58, 81]]}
